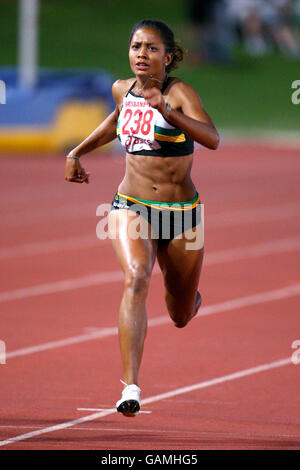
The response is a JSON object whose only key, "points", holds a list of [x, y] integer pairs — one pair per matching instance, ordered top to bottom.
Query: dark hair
{"points": [[167, 37]]}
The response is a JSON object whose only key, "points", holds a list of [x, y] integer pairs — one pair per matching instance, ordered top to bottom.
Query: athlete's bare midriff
{"points": [[165, 179]]}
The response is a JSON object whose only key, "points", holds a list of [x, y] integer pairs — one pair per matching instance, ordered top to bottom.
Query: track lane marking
{"points": [[255, 214], [238, 217], [19, 218], [88, 241], [50, 246], [252, 251], [221, 256], [62, 286], [228, 305], [153, 399], [160, 431]]}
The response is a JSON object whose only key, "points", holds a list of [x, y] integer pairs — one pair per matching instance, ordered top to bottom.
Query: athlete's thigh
{"points": [[131, 238], [180, 261]]}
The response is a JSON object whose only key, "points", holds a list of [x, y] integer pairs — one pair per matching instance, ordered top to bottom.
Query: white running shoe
{"points": [[129, 404]]}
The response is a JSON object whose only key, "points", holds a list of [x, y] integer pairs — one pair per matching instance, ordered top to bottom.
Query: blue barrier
{"points": [[30, 112]]}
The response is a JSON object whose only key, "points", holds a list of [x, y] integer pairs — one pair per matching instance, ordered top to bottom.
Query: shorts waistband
{"points": [[180, 206]]}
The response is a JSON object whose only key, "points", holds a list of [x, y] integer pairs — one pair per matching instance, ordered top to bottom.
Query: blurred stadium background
{"points": [[82, 48]]}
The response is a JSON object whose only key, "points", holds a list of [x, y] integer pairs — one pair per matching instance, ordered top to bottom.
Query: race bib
{"points": [[136, 125]]}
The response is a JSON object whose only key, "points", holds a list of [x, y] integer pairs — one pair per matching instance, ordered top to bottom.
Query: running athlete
{"points": [[157, 118]]}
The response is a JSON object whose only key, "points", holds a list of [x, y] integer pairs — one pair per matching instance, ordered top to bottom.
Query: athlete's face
{"points": [[147, 54]]}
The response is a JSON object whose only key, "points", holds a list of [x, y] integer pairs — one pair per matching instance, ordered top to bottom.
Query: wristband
{"points": [[72, 156]]}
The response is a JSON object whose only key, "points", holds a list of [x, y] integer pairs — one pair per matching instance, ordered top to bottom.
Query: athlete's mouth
{"points": [[142, 65]]}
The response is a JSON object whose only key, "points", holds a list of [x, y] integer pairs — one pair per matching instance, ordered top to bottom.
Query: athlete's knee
{"points": [[137, 278], [181, 312], [180, 320], [181, 324]]}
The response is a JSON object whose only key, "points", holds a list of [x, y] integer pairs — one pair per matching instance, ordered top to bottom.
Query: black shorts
{"points": [[167, 220]]}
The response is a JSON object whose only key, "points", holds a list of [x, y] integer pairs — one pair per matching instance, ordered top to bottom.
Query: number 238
{"points": [[141, 121]]}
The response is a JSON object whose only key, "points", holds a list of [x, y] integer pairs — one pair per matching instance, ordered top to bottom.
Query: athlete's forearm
{"points": [[202, 132], [103, 134]]}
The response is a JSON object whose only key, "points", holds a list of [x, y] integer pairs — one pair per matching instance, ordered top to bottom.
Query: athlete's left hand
{"points": [[154, 98], [74, 171]]}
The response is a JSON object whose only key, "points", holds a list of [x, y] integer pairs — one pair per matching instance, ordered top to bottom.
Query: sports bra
{"points": [[142, 130]]}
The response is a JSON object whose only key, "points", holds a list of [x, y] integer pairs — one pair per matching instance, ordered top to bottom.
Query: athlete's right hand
{"points": [[74, 171]]}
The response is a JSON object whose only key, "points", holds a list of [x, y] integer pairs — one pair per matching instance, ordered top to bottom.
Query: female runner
{"points": [[157, 118]]}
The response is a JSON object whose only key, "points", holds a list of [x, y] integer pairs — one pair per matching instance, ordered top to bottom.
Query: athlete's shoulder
{"points": [[178, 85], [120, 88], [182, 91]]}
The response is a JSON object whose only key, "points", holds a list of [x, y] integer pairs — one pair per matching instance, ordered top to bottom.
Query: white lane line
{"points": [[42, 214], [255, 214], [240, 217], [88, 241], [51, 246], [254, 250], [221, 256], [62, 286], [253, 299], [228, 305], [101, 333], [219, 380], [155, 398], [106, 409], [57, 427], [162, 431]]}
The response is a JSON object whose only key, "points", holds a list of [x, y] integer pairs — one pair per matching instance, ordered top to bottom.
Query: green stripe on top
{"points": [[164, 131], [167, 204]]}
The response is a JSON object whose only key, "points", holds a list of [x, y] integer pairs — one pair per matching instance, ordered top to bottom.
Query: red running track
{"points": [[226, 381]]}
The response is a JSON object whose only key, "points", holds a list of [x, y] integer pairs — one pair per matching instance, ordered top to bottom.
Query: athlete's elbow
{"points": [[213, 141]]}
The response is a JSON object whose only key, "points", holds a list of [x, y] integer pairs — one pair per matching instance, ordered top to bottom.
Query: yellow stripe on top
{"points": [[165, 138], [170, 138], [184, 206]]}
